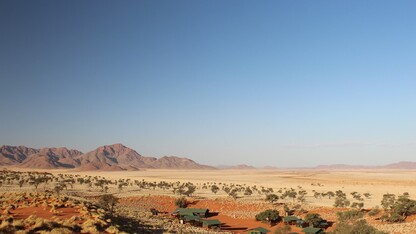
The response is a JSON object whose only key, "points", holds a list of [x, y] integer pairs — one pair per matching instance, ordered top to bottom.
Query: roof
{"points": [[190, 210], [186, 214], [191, 217], [290, 218], [211, 222], [323, 224], [260, 229], [311, 230]]}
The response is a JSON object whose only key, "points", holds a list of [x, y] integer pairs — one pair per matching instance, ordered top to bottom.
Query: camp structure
{"points": [[182, 212], [290, 220], [209, 223], [258, 230], [312, 230]]}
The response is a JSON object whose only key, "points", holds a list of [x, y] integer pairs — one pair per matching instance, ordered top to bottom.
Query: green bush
{"points": [[181, 202], [373, 212], [268, 216], [348, 216], [313, 219], [359, 227]]}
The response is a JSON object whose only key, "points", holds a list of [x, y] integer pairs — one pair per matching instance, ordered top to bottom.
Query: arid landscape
{"points": [[207, 117], [233, 196]]}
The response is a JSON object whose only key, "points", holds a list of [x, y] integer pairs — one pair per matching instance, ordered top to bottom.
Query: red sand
{"points": [[41, 212]]}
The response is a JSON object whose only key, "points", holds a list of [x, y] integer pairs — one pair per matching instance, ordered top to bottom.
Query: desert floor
{"points": [[375, 182], [239, 214]]}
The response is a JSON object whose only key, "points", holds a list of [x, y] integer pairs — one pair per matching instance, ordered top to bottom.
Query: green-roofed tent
{"points": [[191, 212], [191, 218], [290, 219], [210, 222], [301, 223], [323, 224], [258, 230], [312, 230]]}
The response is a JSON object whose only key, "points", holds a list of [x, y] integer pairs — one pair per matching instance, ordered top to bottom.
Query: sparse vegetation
{"points": [[64, 187]]}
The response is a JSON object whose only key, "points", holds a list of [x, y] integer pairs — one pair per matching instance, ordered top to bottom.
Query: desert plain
{"points": [[375, 182], [237, 213]]}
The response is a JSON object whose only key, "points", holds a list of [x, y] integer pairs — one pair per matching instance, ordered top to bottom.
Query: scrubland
{"points": [[235, 196]]}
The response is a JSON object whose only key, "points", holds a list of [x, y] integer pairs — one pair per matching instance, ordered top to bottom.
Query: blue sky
{"points": [[281, 83]]}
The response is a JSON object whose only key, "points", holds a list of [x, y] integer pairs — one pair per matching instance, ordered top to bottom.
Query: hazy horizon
{"points": [[271, 83]]}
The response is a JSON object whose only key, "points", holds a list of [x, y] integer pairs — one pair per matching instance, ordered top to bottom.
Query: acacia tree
{"points": [[214, 189], [190, 190], [248, 191], [330, 194], [271, 197], [341, 199], [388, 201], [357, 205], [404, 207], [270, 216], [313, 219]]}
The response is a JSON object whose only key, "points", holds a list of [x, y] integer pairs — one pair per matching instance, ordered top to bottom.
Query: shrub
{"points": [[214, 189], [272, 197], [388, 201], [108, 202], [181, 202], [341, 202], [375, 211], [268, 216], [349, 216], [313, 219], [359, 227]]}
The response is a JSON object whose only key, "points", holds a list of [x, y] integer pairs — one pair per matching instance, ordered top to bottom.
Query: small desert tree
{"points": [[214, 189], [190, 190], [248, 191], [330, 194], [271, 197], [341, 199], [388, 201], [108, 202], [181, 202], [357, 205], [404, 207], [270, 216], [313, 219]]}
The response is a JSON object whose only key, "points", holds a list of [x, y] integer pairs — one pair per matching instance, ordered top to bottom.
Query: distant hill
{"points": [[109, 157], [399, 165], [236, 167], [340, 167]]}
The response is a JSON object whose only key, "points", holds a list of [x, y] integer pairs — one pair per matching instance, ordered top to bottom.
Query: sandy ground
{"points": [[375, 182], [238, 215]]}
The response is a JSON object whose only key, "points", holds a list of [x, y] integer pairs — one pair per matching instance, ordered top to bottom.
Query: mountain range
{"points": [[109, 157], [119, 157]]}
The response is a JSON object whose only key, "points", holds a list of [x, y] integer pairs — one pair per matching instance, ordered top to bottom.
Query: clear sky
{"points": [[280, 83]]}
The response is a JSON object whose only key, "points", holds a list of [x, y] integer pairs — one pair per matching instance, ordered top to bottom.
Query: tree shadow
{"points": [[212, 214], [130, 225], [230, 228]]}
